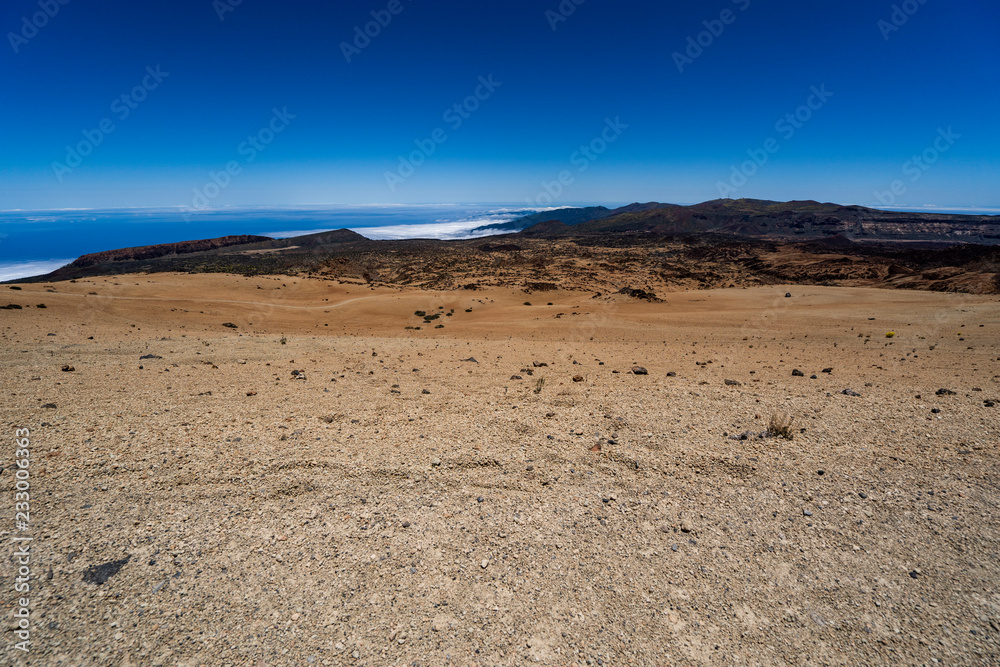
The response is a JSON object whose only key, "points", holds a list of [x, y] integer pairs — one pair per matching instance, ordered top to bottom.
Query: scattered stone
{"points": [[788, 295], [11, 306], [229, 325], [149, 356], [472, 359], [539, 364], [68, 369], [639, 370], [827, 370], [797, 373], [671, 374], [298, 375], [516, 377], [813, 377], [577, 378], [733, 383], [424, 392], [850, 392], [944, 392], [989, 404], [49, 406], [935, 410], [435, 462], [862, 495], [806, 513], [98, 574], [914, 574]]}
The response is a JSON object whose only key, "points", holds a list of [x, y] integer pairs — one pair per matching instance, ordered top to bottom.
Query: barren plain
{"points": [[298, 471]]}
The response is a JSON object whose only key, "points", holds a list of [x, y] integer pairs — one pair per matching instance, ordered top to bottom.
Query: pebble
{"points": [[639, 370], [797, 373], [807, 513]]}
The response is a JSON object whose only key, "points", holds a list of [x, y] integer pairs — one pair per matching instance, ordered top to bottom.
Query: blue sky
{"points": [[210, 85]]}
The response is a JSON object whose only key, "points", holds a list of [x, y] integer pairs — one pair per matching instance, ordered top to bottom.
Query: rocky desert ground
{"points": [[230, 470]]}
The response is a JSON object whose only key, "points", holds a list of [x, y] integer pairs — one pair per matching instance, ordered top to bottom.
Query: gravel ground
{"points": [[504, 490]]}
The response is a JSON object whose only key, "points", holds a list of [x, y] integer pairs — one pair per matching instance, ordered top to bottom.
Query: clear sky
{"points": [[673, 101]]}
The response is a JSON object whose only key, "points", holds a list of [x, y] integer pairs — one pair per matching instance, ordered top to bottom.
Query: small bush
{"points": [[539, 384], [780, 425]]}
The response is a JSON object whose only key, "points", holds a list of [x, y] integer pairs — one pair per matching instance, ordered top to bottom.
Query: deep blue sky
{"points": [[939, 70]]}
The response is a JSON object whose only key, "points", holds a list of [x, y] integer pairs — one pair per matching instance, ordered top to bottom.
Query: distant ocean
{"points": [[36, 242]]}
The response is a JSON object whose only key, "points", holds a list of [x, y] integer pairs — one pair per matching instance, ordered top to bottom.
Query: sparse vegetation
{"points": [[539, 384], [780, 425]]}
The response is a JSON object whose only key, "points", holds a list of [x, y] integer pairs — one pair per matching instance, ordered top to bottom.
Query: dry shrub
{"points": [[780, 425]]}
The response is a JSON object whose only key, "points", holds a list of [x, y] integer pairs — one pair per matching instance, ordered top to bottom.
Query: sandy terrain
{"points": [[396, 503]]}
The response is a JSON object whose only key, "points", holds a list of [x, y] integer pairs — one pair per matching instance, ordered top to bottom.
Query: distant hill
{"points": [[567, 216], [794, 220], [723, 242], [162, 250]]}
